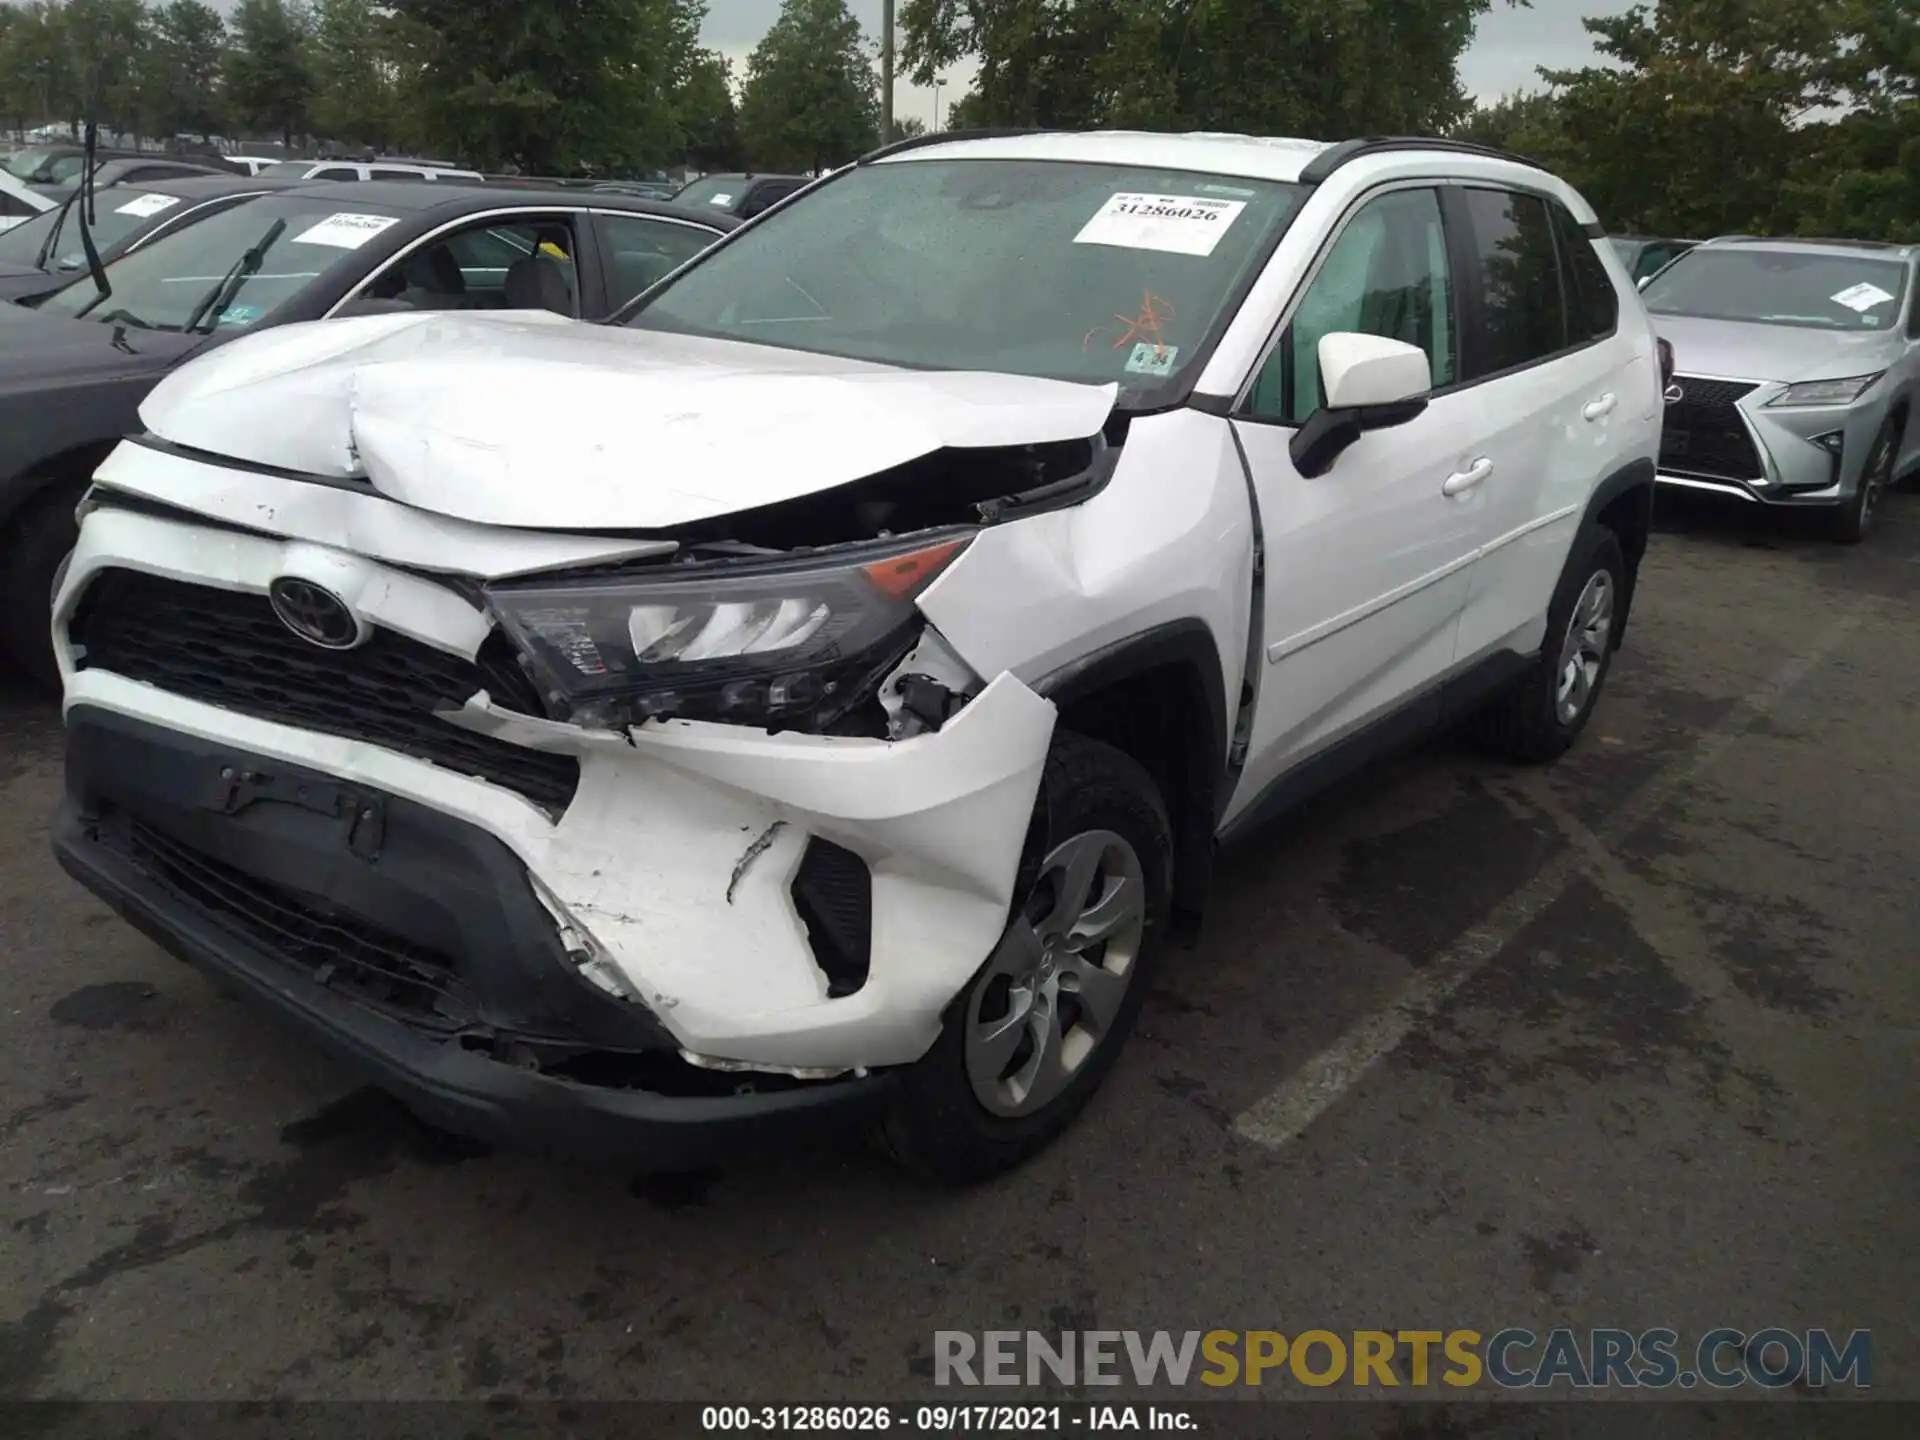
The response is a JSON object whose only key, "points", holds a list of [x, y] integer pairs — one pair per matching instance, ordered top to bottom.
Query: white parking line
{"points": [[1314, 1088]]}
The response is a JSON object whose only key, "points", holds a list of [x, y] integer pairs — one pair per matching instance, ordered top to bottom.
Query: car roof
{"points": [[1254, 156], [210, 187], [453, 197], [1861, 249]]}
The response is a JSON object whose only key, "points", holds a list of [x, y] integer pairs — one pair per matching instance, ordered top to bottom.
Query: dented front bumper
{"points": [[672, 870]]}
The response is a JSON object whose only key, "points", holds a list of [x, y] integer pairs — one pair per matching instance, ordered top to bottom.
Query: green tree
{"points": [[107, 43], [185, 58], [1275, 67], [268, 72], [37, 81], [552, 89], [358, 96], [811, 100], [707, 118], [907, 127]]}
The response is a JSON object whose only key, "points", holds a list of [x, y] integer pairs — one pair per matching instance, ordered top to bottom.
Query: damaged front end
{"points": [[755, 795]]}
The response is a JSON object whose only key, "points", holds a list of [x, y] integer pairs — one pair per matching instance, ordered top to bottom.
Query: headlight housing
{"points": [[1827, 392], [795, 644]]}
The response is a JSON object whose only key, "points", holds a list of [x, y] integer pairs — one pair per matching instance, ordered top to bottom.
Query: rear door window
{"points": [[640, 250], [1593, 304], [1523, 315]]}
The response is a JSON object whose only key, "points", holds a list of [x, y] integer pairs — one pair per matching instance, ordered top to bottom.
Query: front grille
{"points": [[1703, 433], [230, 649], [346, 954]]}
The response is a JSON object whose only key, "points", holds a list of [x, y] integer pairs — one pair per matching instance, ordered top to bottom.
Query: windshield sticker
{"points": [[1234, 190], [721, 200], [148, 205], [1177, 224], [345, 232], [1862, 297], [239, 315], [1147, 328], [1155, 360]]}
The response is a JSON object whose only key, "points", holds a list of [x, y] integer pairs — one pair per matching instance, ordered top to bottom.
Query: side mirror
{"points": [[1367, 382]]}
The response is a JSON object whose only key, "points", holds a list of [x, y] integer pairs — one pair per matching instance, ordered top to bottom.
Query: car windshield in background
{"points": [[25, 164], [716, 190], [117, 212], [1074, 271], [162, 285], [1780, 287]]}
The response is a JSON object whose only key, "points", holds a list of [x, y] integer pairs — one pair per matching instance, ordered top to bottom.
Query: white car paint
{"points": [[23, 198], [1424, 546]]}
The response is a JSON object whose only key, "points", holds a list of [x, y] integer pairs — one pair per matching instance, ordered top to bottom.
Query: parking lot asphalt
{"points": [[1632, 1040]]}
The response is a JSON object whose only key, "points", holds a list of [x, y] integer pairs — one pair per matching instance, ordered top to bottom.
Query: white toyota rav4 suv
{"points": [[812, 699]]}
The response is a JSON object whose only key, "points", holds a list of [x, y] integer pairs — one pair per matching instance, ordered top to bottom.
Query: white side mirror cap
{"points": [[1362, 370]]}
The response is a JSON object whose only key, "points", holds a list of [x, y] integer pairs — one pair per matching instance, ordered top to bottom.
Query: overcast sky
{"points": [[1510, 44]]}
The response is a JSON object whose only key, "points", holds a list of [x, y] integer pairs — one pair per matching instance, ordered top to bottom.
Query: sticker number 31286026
{"points": [[1181, 224]]}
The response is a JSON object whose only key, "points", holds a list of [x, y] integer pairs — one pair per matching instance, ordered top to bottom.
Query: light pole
{"points": [[886, 72], [938, 85]]}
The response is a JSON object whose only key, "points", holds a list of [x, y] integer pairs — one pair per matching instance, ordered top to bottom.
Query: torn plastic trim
{"points": [[588, 955], [754, 1067]]}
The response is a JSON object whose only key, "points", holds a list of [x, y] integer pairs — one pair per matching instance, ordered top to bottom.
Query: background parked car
{"points": [[412, 170], [59, 175], [742, 195], [20, 202], [45, 253], [1644, 256], [75, 366], [1799, 373]]}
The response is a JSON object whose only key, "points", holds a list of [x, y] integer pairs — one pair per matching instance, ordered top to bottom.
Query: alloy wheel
{"points": [[1583, 653], [1054, 985]]}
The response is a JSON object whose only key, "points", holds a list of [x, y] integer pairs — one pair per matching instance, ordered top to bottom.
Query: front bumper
{"points": [[1802, 456], [677, 857], [537, 1062]]}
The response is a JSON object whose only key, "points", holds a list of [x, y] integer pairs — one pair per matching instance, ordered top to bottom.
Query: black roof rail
{"points": [[941, 137], [1334, 156]]}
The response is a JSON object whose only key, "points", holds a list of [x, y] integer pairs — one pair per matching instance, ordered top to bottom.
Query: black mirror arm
{"points": [[1319, 442]]}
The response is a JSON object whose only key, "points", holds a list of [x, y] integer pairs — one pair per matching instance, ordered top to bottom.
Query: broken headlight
{"points": [[794, 644]]}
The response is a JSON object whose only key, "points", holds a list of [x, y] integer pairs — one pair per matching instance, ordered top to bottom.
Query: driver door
{"points": [[1367, 565]]}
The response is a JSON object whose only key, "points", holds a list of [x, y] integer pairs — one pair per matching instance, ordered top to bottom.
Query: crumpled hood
{"points": [[1736, 350], [543, 423]]}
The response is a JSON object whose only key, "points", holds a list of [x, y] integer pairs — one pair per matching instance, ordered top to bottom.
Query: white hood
{"points": [[543, 423]]}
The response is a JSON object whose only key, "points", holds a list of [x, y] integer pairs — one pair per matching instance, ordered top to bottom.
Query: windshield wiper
{"points": [[53, 235], [214, 304]]}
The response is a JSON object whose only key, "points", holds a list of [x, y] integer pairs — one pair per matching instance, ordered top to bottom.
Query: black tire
{"points": [[1853, 521], [34, 543], [1524, 724], [936, 1125]]}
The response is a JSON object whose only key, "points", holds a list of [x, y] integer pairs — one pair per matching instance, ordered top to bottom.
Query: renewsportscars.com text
{"points": [[1719, 1359]]}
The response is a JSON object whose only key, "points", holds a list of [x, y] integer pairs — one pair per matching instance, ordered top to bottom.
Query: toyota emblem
{"points": [[315, 614]]}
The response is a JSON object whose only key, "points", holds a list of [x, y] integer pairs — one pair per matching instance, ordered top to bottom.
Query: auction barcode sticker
{"points": [[147, 205], [1180, 224], [348, 232], [1862, 297]]}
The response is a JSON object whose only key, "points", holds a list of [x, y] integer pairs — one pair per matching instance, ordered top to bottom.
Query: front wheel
{"points": [[1855, 518], [1544, 713], [1029, 1040]]}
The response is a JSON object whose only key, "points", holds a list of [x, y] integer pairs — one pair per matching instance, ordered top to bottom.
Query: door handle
{"points": [[1599, 409], [1464, 480]]}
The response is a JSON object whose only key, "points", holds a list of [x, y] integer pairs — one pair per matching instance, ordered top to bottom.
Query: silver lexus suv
{"points": [[1798, 368]]}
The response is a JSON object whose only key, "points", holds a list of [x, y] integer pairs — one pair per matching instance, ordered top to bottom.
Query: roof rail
{"points": [[941, 137], [1334, 156]]}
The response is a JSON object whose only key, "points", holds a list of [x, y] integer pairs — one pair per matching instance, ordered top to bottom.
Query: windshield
{"points": [[24, 164], [718, 191], [118, 212], [1078, 272], [159, 285], [1780, 287]]}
